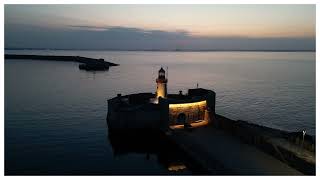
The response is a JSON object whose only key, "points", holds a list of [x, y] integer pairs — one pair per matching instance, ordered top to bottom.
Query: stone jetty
{"points": [[86, 63]]}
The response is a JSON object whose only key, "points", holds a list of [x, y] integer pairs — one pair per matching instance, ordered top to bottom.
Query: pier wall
{"points": [[193, 108], [193, 112], [145, 115], [139, 119], [285, 146]]}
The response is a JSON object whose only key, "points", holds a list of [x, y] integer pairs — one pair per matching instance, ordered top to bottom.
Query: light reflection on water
{"points": [[55, 113]]}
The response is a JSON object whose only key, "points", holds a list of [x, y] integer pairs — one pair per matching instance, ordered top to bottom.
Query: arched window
{"points": [[181, 119]]}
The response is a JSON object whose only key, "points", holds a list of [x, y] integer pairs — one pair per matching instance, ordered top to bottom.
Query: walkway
{"points": [[223, 154]]}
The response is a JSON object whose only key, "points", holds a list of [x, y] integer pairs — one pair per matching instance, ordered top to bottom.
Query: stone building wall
{"points": [[193, 112]]}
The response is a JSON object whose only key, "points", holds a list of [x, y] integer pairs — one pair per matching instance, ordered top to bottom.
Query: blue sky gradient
{"points": [[161, 27]]}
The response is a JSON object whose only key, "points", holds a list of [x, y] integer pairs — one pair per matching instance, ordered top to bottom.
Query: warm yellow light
{"points": [[184, 105], [197, 124], [176, 167]]}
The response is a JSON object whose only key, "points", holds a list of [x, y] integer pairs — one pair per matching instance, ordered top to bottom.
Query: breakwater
{"points": [[86, 63], [217, 144], [223, 146], [230, 147], [236, 147], [292, 148]]}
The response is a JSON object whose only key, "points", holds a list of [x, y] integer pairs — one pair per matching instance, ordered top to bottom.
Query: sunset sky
{"points": [[161, 26]]}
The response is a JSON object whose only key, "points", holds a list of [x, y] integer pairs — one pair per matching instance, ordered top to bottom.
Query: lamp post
{"points": [[303, 134], [301, 146]]}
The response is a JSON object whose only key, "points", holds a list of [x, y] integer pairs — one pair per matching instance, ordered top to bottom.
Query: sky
{"points": [[161, 27]]}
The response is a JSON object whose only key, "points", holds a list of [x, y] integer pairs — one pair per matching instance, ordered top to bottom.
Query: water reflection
{"points": [[152, 144]]}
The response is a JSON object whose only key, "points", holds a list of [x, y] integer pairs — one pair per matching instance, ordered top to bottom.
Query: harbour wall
{"points": [[89, 64], [193, 112], [288, 147]]}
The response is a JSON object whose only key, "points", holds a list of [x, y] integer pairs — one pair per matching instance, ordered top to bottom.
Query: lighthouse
{"points": [[161, 84]]}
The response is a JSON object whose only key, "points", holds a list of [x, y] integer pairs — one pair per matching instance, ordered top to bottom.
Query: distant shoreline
{"points": [[157, 50]]}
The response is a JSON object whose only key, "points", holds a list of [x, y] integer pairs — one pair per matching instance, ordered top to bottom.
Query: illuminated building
{"points": [[162, 110]]}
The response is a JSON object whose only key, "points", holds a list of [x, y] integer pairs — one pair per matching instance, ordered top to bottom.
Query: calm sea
{"points": [[55, 114]]}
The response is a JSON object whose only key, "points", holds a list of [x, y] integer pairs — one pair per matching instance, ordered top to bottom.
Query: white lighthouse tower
{"points": [[161, 84]]}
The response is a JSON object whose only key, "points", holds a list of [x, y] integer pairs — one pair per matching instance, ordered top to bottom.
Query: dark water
{"points": [[55, 114]]}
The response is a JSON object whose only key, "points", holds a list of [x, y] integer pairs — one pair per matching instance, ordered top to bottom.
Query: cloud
{"points": [[128, 29], [130, 38]]}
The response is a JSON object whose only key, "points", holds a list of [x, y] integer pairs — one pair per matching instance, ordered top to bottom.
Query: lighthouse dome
{"points": [[161, 70]]}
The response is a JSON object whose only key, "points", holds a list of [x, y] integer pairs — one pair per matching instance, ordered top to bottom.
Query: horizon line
{"points": [[172, 50]]}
